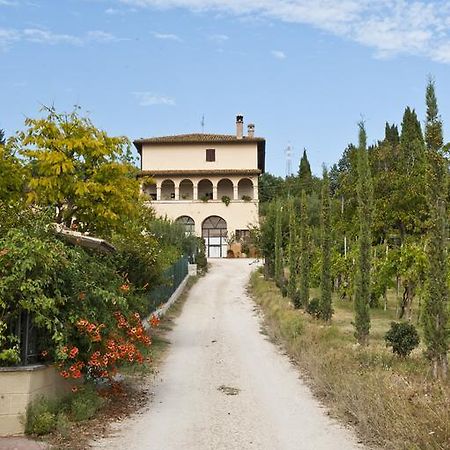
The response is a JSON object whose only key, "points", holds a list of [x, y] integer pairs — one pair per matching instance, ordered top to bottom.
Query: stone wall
{"points": [[21, 385]]}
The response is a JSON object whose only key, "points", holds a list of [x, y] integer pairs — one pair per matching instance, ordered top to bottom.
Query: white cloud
{"points": [[8, 3], [390, 27], [40, 36], [167, 36], [8, 37], [47, 37], [102, 37], [219, 38], [278, 54], [149, 99]]}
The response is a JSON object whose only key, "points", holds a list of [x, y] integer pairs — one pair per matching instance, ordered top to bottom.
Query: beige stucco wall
{"points": [[193, 156], [239, 215], [20, 386]]}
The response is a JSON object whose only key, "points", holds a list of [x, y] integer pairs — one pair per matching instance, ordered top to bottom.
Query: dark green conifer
{"points": [[304, 174], [293, 252], [305, 254], [362, 285], [326, 310], [435, 317]]}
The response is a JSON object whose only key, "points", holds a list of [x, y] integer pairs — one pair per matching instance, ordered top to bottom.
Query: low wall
{"points": [[21, 385]]}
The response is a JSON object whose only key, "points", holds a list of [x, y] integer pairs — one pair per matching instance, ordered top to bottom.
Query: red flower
{"points": [[124, 288], [73, 352]]}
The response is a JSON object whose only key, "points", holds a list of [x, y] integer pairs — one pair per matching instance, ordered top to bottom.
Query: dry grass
{"points": [[393, 403]]}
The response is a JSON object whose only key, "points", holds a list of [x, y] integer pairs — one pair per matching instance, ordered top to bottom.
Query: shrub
{"points": [[246, 198], [226, 200], [313, 308], [402, 337], [85, 404], [41, 416], [62, 425]]}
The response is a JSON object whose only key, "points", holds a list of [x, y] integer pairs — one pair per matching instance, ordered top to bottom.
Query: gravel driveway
{"points": [[223, 385]]}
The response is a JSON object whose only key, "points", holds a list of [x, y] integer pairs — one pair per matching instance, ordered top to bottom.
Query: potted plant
{"points": [[246, 198], [226, 200]]}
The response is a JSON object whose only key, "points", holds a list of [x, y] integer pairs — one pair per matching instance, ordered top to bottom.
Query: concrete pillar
{"points": [[214, 191], [158, 192], [177, 192], [235, 192], [255, 192], [195, 194]]}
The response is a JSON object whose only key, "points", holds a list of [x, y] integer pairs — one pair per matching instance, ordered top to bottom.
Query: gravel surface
{"points": [[223, 385]]}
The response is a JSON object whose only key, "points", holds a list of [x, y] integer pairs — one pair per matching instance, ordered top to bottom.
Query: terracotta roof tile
{"points": [[195, 138]]}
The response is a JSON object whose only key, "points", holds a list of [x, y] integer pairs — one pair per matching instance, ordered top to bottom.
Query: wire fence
{"points": [[172, 278]]}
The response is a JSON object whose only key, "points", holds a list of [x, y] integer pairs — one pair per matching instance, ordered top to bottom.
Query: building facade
{"points": [[207, 182]]}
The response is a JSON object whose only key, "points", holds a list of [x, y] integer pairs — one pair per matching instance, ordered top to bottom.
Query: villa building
{"points": [[208, 182]]}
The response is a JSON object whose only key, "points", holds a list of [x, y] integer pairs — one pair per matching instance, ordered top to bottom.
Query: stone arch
{"points": [[225, 188], [149, 189], [186, 189], [205, 189], [245, 189], [167, 190], [188, 223]]}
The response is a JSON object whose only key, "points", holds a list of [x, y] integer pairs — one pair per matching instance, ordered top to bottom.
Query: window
{"points": [[210, 154], [242, 235]]}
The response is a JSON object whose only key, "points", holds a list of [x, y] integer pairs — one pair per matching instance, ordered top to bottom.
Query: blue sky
{"points": [[304, 71]]}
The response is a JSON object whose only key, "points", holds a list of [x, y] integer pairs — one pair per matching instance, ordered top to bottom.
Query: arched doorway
{"points": [[188, 224], [214, 232]]}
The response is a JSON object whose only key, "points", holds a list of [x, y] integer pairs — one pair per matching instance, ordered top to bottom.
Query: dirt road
{"points": [[224, 385]]}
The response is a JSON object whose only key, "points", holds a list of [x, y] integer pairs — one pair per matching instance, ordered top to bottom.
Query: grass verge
{"points": [[392, 402]]}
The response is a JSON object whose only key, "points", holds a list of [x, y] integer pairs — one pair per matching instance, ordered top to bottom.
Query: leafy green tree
{"points": [[80, 171], [12, 180], [305, 180], [270, 187], [305, 253], [362, 285], [326, 310], [435, 315]]}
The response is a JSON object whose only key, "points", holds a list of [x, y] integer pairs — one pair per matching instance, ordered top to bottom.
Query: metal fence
{"points": [[172, 278], [32, 339]]}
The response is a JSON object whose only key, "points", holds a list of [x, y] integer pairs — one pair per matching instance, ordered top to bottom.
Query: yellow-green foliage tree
{"points": [[79, 170], [12, 175]]}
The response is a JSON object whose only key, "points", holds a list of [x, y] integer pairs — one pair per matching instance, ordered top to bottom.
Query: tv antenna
{"points": [[288, 153]]}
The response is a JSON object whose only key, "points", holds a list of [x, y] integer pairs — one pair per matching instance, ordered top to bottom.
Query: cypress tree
{"points": [[2, 137], [304, 174], [278, 244], [293, 252], [304, 256], [362, 285], [436, 307], [326, 310]]}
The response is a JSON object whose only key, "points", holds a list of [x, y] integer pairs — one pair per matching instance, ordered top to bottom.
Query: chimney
{"points": [[239, 126], [251, 130]]}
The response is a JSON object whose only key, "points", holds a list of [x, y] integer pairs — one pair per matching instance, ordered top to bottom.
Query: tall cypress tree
{"points": [[2, 137], [304, 174], [278, 244], [293, 252], [304, 256], [362, 285], [436, 306], [326, 310]]}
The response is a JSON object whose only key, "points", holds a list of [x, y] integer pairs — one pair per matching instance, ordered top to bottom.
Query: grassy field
{"points": [[392, 402]]}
